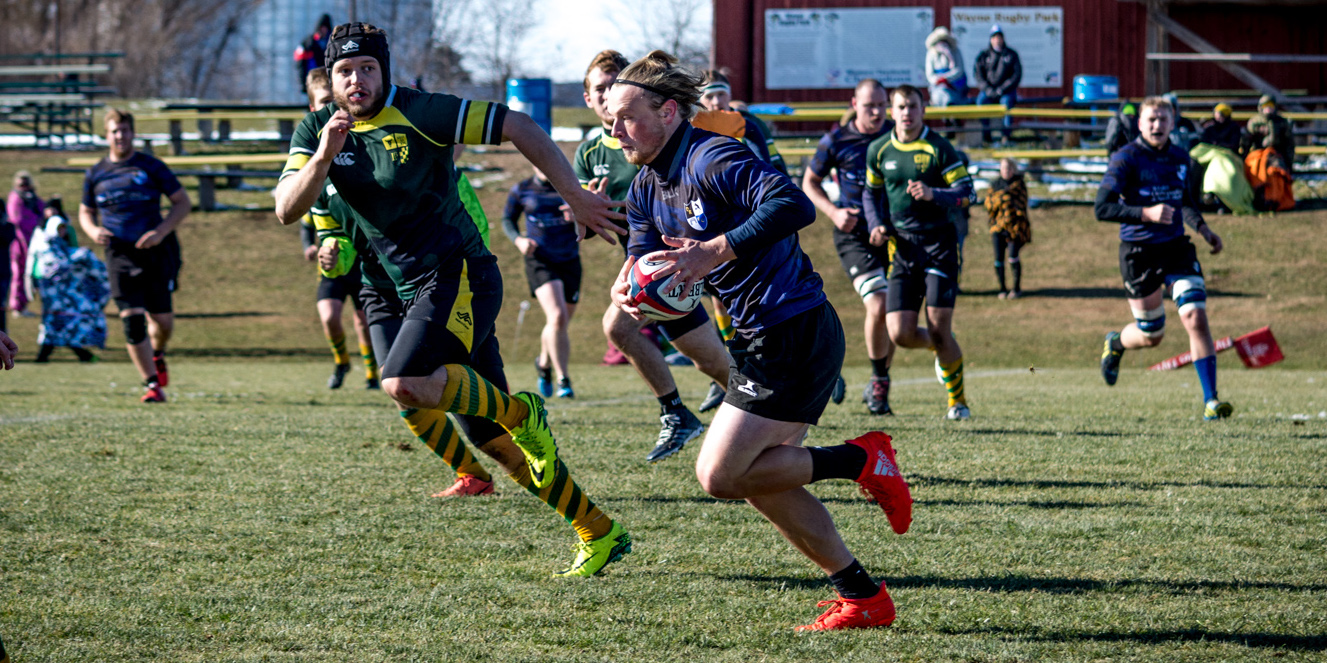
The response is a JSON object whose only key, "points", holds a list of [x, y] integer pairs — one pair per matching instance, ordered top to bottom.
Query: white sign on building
{"points": [[1036, 33], [836, 48]]}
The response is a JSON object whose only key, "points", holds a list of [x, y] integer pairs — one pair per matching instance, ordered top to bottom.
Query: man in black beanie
{"points": [[387, 151]]}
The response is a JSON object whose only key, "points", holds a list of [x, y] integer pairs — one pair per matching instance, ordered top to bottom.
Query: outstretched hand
{"points": [[594, 211]]}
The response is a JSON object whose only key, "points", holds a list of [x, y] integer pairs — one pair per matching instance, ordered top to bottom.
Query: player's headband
{"points": [[355, 39], [643, 86], [717, 86]]}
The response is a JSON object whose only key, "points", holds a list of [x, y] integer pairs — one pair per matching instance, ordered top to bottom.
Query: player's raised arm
{"points": [[306, 170], [591, 210]]}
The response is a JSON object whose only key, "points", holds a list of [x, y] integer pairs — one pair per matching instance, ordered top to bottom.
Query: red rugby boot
{"points": [[882, 479]]}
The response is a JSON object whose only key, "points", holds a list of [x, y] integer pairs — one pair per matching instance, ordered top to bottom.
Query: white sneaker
{"points": [[959, 412]]}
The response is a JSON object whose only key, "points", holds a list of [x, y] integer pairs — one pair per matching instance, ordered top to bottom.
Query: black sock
{"points": [[1018, 276], [1116, 345], [44, 353], [82, 353], [158, 354], [880, 368], [153, 381], [670, 402], [843, 461], [854, 582]]}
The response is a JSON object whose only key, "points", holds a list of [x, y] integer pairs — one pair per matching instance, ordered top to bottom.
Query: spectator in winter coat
{"points": [[312, 52], [944, 69], [998, 72], [1122, 129], [1270, 129], [1222, 131], [25, 212]]}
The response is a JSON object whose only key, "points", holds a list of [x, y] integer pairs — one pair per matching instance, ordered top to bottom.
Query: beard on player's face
{"points": [[357, 87], [641, 129]]}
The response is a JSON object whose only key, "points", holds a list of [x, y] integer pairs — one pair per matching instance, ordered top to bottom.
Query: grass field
{"points": [[259, 517]]}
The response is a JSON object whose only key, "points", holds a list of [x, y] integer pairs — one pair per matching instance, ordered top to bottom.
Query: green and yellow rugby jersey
{"points": [[602, 156], [931, 160], [397, 179], [329, 210]]}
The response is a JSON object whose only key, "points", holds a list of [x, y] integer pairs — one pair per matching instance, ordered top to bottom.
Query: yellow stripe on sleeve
{"points": [[474, 123], [295, 162], [955, 174], [874, 180]]}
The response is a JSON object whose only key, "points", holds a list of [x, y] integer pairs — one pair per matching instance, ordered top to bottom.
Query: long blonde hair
{"points": [[662, 78]]}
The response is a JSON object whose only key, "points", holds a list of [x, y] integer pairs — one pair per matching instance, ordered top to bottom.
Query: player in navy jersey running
{"points": [[843, 152], [601, 166], [1150, 189], [708, 205], [121, 210], [552, 268]]}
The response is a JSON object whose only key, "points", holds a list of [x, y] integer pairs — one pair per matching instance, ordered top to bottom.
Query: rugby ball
{"points": [[655, 299]]}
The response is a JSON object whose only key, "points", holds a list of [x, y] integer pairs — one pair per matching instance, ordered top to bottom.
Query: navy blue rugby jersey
{"points": [[844, 149], [1144, 176], [703, 185], [127, 194], [544, 222]]}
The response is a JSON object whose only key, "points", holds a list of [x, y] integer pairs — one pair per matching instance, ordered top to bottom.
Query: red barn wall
{"points": [[1100, 37]]}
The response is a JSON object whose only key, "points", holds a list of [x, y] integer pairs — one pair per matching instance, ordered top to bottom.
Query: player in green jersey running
{"points": [[388, 152], [601, 166], [913, 175]]}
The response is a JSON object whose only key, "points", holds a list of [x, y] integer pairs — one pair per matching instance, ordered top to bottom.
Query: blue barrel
{"points": [[1096, 88], [534, 97]]}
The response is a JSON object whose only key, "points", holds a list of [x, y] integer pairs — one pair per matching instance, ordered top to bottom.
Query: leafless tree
{"points": [[672, 25], [496, 36]]}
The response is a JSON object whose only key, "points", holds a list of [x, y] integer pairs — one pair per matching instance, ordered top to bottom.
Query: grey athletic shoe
{"points": [[678, 429]]}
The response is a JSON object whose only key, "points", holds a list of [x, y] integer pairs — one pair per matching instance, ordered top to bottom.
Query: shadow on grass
{"points": [[1092, 293], [224, 314], [248, 352], [1044, 433], [1136, 485], [1044, 504], [1045, 585], [1268, 640]]}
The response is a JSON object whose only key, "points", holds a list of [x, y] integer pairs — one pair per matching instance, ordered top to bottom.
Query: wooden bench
{"points": [[54, 69], [285, 119], [207, 179]]}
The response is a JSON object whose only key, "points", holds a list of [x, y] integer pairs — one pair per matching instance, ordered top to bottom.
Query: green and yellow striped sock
{"points": [[724, 323], [339, 353], [370, 363], [952, 374], [468, 393], [437, 431], [567, 498]]}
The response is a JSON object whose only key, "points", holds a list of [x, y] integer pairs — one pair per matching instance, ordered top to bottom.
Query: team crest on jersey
{"points": [[398, 147], [922, 160], [601, 170], [696, 215]]}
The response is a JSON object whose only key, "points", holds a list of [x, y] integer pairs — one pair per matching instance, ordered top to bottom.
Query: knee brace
{"points": [[872, 281], [1189, 292], [1152, 323], [135, 328]]}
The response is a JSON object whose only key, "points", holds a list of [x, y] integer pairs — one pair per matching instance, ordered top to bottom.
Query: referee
{"points": [[121, 210]]}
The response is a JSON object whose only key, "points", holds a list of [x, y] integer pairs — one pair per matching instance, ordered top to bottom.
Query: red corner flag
{"points": [[1258, 348]]}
